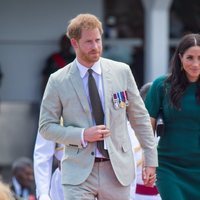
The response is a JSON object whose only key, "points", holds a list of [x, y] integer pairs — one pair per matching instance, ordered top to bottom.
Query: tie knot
{"points": [[90, 71]]}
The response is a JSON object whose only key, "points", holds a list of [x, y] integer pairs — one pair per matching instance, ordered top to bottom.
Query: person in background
{"points": [[58, 59], [144, 89], [178, 93], [98, 160], [22, 183], [48, 183], [139, 191], [5, 192]]}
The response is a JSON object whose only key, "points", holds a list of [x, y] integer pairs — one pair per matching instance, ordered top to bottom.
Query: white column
{"points": [[156, 42]]}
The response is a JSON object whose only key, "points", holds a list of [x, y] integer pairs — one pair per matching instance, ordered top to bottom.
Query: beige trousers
{"points": [[102, 184]]}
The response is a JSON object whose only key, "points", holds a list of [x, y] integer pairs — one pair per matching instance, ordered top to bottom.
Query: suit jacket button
{"points": [[92, 153]]}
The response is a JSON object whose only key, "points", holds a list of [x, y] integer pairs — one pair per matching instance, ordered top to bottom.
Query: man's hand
{"points": [[96, 133], [149, 176]]}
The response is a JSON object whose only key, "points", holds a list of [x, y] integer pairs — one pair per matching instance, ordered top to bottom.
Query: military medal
{"points": [[125, 97], [120, 100], [116, 101], [121, 103]]}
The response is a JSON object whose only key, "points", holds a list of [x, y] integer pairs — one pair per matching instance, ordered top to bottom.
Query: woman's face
{"points": [[191, 63]]}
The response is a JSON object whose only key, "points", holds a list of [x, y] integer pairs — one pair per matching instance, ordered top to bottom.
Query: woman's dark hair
{"points": [[178, 79]]}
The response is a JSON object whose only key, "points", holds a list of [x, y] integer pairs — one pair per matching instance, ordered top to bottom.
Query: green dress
{"points": [[178, 174]]}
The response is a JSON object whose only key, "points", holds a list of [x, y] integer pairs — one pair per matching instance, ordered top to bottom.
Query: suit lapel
{"points": [[78, 86]]}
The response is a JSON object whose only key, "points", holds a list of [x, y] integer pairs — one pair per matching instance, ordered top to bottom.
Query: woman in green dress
{"points": [[178, 94]]}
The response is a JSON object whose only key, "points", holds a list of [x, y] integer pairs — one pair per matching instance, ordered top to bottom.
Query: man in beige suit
{"points": [[88, 173]]}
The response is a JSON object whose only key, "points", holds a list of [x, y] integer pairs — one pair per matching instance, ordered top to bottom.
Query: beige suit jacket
{"points": [[65, 96]]}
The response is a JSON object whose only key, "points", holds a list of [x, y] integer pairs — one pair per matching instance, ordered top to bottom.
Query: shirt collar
{"points": [[83, 70], [16, 185]]}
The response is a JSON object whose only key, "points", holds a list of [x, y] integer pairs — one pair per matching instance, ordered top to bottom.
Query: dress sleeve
{"points": [[154, 98]]}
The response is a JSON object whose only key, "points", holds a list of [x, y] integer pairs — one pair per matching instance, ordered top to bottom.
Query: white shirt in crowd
{"points": [[48, 185]]}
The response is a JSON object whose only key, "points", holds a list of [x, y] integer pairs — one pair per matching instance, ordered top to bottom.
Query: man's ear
{"points": [[74, 43]]}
